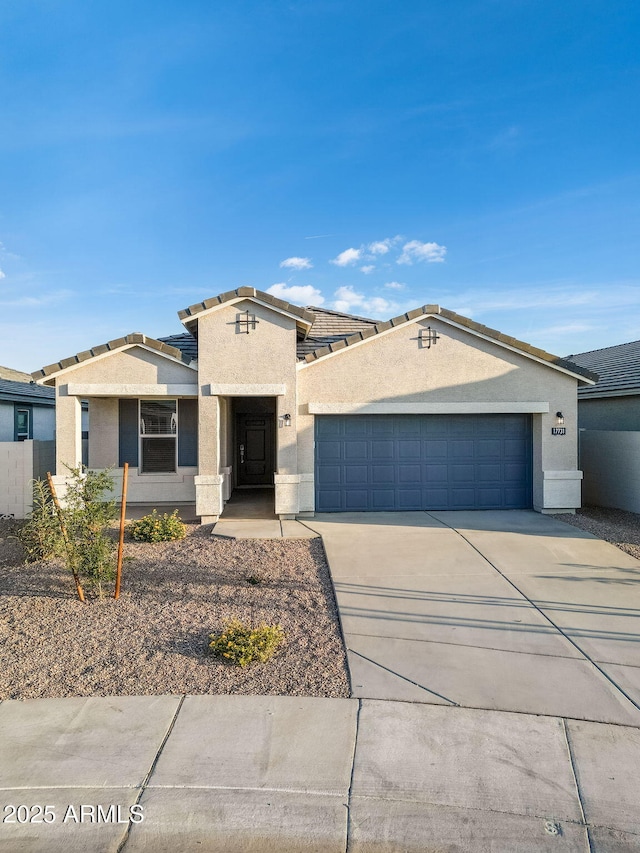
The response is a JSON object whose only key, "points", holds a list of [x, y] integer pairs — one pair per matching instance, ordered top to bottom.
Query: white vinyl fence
{"points": [[610, 461], [20, 463]]}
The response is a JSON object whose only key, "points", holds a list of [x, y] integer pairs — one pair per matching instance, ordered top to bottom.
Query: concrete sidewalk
{"points": [[511, 611], [285, 774]]}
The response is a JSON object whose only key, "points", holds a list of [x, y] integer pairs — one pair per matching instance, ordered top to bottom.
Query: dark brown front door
{"points": [[254, 450]]}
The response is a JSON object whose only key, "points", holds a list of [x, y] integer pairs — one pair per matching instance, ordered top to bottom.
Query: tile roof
{"points": [[190, 313], [329, 327], [371, 328], [333, 330], [118, 343], [186, 343], [617, 367], [14, 375], [27, 392]]}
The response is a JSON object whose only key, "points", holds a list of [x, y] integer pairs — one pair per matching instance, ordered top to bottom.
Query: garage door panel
{"points": [[489, 448], [382, 449], [409, 449], [434, 449], [459, 449], [513, 449], [329, 450], [355, 450], [428, 462], [436, 473], [462, 473], [489, 473], [383, 474], [409, 474], [329, 475], [356, 475], [462, 498], [489, 498], [383, 499], [410, 499], [356, 500]]}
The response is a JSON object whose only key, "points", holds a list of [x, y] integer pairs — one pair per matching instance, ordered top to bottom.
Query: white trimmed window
{"points": [[158, 436]]}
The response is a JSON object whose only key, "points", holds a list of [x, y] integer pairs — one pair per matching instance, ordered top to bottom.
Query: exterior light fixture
{"points": [[428, 336], [559, 418], [286, 420]]}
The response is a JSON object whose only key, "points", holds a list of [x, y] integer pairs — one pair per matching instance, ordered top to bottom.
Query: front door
{"points": [[254, 450]]}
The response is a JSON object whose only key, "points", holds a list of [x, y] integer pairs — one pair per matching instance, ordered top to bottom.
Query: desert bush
{"points": [[87, 517], [158, 528], [40, 535], [243, 645]]}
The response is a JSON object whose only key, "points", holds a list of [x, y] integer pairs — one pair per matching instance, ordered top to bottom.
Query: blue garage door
{"points": [[414, 462]]}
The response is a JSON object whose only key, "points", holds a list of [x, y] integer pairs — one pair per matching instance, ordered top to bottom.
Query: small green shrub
{"points": [[87, 517], [158, 528], [40, 535], [243, 645]]}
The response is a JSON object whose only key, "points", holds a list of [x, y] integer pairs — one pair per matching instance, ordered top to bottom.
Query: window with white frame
{"points": [[158, 436]]}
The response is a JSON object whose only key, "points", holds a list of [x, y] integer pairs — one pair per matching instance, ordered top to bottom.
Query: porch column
{"points": [[68, 432], [208, 481]]}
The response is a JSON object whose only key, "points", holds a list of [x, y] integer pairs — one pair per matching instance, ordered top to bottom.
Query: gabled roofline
{"points": [[189, 316], [540, 355], [51, 371]]}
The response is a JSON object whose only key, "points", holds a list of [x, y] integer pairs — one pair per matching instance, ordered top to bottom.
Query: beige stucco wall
{"points": [[265, 356], [132, 366], [459, 368]]}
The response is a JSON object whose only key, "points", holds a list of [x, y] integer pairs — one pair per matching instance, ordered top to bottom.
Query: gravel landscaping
{"points": [[617, 526], [154, 639]]}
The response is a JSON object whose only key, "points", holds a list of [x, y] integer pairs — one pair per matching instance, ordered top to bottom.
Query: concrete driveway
{"points": [[511, 611]]}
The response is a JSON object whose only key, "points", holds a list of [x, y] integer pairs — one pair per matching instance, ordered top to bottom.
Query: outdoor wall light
{"points": [[559, 418], [286, 420]]}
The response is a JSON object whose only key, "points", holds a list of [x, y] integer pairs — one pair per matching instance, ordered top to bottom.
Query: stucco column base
{"points": [[561, 491], [287, 497], [209, 499]]}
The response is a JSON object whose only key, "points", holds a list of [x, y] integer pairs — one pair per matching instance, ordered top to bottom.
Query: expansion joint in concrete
{"points": [[544, 615], [404, 677], [353, 768], [145, 781], [576, 782]]}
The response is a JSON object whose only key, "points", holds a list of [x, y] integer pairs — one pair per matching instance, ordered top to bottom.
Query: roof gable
{"points": [[189, 316], [371, 331], [51, 371]]}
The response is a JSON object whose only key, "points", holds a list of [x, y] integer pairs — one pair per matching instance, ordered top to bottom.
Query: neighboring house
{"points": [[613, 403], [27, 410], [429, 410], [609, 422]]}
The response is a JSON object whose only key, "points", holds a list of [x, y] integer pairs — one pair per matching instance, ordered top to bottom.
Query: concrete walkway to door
{"points": [[511, 611]]}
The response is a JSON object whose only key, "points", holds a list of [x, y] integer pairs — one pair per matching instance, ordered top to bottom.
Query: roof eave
{"points": [[189, 316], [48, 374]]}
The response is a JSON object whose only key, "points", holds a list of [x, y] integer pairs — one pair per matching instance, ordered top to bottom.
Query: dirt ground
{"points": [[154, 639]]}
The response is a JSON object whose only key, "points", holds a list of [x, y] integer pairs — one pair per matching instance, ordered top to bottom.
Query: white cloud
{"points": [[381, 247], [414, 251], [347, 258], [296, 263], [367, 268], [2, 275], [395, 285], [300, 294], [347, 299]]}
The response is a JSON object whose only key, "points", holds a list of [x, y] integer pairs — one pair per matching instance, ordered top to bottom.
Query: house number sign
{"points": [[558, 430]]}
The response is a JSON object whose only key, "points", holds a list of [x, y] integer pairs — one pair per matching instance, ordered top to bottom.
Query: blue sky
{"points": [[367, 156]]}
